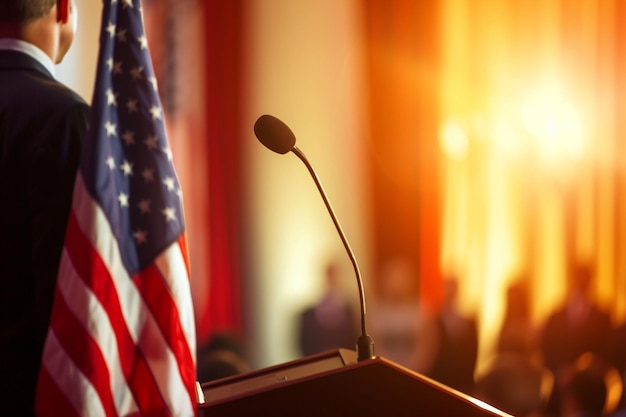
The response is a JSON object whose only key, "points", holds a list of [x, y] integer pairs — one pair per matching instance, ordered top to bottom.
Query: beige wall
{"points": [[78, 69], [304, 70]]}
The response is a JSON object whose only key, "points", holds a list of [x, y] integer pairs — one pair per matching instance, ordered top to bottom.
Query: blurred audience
{"points": [[331, 323], [578, 327], [403, 330], [517, 334], [458, 343], [616, 356], [221, 357], [516, 381], [515, 384], [584, 388], [620, 410]]}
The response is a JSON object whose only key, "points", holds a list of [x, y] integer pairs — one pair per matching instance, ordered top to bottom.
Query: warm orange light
{"points": [[555, 124], [506, 136], [453, 139], [486, 406]]}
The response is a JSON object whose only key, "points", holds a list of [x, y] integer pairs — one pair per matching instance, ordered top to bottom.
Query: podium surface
{"points": [[334, 384]]}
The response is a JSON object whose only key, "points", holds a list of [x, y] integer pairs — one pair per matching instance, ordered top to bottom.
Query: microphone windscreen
{"points": [[274, 134]]}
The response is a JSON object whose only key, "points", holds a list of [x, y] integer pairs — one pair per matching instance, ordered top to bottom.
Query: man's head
{"points": [[24, 11], [48, 24]]}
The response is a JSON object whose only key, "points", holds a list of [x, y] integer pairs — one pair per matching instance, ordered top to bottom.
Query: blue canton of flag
{"points": [[134, 179]]}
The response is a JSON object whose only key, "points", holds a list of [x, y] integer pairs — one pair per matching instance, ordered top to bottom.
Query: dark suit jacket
{"points": [[42, 124]]}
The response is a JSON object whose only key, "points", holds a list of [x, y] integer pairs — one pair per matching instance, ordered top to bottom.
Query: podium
{"points": [[335, 384]]}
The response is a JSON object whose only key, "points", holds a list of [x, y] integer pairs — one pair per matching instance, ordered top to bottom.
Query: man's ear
{"points": [[63, 10]]}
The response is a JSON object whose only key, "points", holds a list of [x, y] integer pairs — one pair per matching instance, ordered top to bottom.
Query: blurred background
{"points": [[475, 141]]}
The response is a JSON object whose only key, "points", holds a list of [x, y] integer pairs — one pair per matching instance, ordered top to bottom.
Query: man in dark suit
{"points": [[42, 124]]}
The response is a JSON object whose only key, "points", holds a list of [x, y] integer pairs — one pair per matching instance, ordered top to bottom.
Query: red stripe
{"points": [[184, 249], [90, 267], [157, 295], [86, 354], [51, 401]]}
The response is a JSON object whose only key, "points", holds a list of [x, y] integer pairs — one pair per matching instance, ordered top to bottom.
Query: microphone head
{"points": [[274, 134]]}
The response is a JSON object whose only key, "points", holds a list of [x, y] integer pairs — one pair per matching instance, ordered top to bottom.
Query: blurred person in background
{"points": [[331, 323], [579, 326], [404, 330], [517, 333], [458, 343], [616, 356], [221, 357], [516, 380], [515, 384], [584, 388]]}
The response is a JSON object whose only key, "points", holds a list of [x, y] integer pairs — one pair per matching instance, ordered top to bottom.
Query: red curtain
{"points": [[197, 54], [402, 73], [223, 92]]}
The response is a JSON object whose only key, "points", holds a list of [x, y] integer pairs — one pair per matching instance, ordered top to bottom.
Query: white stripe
{"points": [[171, 264], [95, 319], [160, 359], [164, 367], [70, 379]]}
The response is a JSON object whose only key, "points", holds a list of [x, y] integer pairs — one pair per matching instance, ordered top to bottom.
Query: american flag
{"points": [[121, 340]]}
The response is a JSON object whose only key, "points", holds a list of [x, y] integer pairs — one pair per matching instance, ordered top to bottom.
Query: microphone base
{"points": [[365, 348]]}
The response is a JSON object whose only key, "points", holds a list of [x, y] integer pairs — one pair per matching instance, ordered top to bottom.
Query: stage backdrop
{"points": [[480, 137]]}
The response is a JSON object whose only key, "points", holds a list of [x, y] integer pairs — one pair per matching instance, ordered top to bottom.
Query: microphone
{"points": [[278, 137]]}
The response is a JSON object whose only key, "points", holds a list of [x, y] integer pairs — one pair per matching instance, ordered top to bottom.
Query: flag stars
{"points": [[111, 29], [121, 35], [143, 41], [117, 68], [137, 73], [153, 81], [111, 97], [131, 105], [156, 112], [111, 129], [129, 137], [151, 142], [168, 153], [110, 163], [127, 168], [148, 175], [169, 183], [123, 199], [131, 204], [144, 206], [170, 214], [141, 236]]}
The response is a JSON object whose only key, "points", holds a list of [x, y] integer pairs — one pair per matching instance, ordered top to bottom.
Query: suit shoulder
{"points": [[32, 90], [61, 94]]}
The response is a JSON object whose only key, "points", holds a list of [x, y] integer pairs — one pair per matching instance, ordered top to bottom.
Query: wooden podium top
{"points": [[335, 384]]}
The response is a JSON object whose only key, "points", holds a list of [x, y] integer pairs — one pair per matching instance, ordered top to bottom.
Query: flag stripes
{"points": [[102, 322], [53, 392]]}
